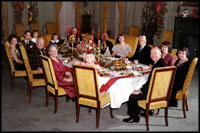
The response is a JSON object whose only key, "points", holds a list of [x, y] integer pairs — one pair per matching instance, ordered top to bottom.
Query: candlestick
{"points": [[69, 30], [78, 31], [98, 34], [93, 36]]}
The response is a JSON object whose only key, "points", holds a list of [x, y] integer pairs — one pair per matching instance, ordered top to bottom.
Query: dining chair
{"points": [[35, 26], [50, 27], [20, 29], [134, 30], [167, 36], [112, 40], [133, 42], [173, 53], [14, 73], [32, 82], [51, 82], [87, 91], [159, 91], [182, 94]]}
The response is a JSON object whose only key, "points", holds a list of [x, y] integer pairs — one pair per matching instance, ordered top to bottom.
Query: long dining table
{"points": [[118, 84]]}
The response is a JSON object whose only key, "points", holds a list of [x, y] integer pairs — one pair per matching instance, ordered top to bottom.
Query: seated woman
{"points": [[35, 35], [55, 39], [121, 49], [15, 52], [166, 56], [89, 60], [182, 65], [64, 78]]}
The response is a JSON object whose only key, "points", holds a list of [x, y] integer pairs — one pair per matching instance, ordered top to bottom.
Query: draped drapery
{"points": [[58, 8], [78, 13], [67, 17], [104, 17], [5, 19], [116, 20], [120, 22]]}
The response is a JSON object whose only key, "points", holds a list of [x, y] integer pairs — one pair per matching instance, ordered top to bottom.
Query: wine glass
{"points": [[135, 62]]}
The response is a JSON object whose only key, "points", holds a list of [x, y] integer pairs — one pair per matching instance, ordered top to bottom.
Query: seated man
{"points": [[75, 34], [27, 41], [108, 43], [142, 53], [34, 55], [133, 108]]}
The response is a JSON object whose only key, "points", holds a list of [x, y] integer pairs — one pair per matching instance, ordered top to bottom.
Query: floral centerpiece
{"points": [[86, 46]]}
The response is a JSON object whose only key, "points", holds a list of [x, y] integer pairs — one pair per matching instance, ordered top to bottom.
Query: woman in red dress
{"points": [[64, 78]]}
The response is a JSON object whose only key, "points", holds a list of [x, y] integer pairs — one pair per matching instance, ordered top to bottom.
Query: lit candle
{"points": [[69, 30], [78, 31], [98, 34], [93, 36], [105, 36]]}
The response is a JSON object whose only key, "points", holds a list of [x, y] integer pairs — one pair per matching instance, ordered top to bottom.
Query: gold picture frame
{"points": [[32, 9]]}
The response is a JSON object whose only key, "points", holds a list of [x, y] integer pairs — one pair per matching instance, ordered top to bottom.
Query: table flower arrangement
{"points": [[85, 47]]}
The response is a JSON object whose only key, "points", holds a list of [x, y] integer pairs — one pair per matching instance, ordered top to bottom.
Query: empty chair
{"points": [[35, 26], [50, 27], [20, 29], [134, 30], [167, 36], [14, 73], [32, 82], [51, 82], [87, 91], [159, 91]]}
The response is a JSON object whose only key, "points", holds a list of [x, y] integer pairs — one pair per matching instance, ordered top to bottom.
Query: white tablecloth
{"points": [[122, 88]]}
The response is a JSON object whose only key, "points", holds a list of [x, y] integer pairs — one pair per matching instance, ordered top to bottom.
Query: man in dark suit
{"points": [[75, 35], [27, 41], [108, 43], [142, 53], [34, 56], [133, 108]]}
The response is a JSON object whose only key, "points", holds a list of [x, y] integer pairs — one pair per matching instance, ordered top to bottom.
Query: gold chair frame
{"points": [[14, 73], [159, 91], [90, 98]]}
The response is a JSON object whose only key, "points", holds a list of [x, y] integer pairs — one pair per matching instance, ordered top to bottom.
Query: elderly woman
{"points": [[121, 49], [15, 53], [166, 56], [89, 60], [182, 65], [64, 78]]}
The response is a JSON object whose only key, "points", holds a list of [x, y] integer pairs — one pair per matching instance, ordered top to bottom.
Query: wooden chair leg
{"points": [[30, 93], [47, 98], [56, 103], [186, 104], [183, 106], [89, 110], [77, 112], [111, 113], [157, 113], [166, 116], [97, 117], [147, 119]]}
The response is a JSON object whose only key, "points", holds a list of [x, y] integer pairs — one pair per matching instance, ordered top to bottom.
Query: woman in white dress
{"points": [[121, 49]]}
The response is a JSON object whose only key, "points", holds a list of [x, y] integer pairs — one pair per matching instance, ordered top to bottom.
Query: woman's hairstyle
{"points": [[35, 30], [54, 35], [121, 35], [11, 37], [166, 43], [51, 45], [183, 49], [93, 56]]}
